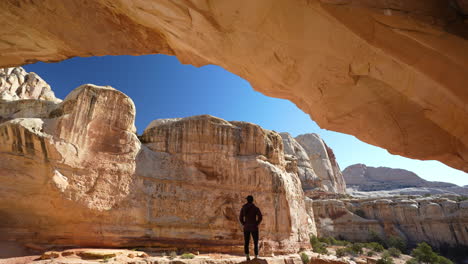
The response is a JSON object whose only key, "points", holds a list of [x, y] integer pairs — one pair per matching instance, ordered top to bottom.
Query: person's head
{"points": [[250, 199]]}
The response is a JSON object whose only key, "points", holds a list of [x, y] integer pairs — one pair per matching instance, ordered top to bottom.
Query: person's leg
{"points": [[255, 239], [246, 244]]}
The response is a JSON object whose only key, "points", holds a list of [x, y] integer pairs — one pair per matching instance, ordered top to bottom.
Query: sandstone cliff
{"points": [[392, 73], [324, 163], [75, 173], [438, 221]]}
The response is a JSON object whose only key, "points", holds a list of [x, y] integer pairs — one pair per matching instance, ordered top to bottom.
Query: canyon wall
{"points": [[392, 73], [316, 163], [75, 173], [437, 221]]}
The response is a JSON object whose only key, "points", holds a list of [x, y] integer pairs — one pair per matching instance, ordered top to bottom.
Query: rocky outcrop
{"points": [[392, 73], [16, 84], [323, 161], [77, 174], [365, 178], [438, 221]]}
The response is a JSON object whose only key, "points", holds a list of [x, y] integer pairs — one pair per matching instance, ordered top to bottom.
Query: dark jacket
{"points": [[250, 217]]}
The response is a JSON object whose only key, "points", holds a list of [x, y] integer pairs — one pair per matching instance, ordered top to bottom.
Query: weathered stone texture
{"points": [[392, 73], [75, 173], [437, 221]]}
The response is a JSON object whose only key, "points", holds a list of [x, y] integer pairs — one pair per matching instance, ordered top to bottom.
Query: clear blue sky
{"points": [[161, 87]]}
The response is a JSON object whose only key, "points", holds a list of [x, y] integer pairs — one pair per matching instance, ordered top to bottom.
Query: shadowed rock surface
{"points": [[392, 73]]}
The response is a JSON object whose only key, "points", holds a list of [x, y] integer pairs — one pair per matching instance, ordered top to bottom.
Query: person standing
{"points": [[250, 217]]}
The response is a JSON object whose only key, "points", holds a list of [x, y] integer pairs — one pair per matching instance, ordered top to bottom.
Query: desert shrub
{"points": [[427, 195], [461, 198], [375, 237], [314, 240], [325, 240], [396, 242], [318, 246], [377, 247], [357, 248], [321, 249], [341, 252], [394, 252], [370, 253], [423, 253], [172, 254], [187, 256], [305, 258], [385, 259], [444, 260], [411, 261]]}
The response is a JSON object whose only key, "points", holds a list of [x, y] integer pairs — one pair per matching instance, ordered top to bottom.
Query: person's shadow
{"points": [[254, 261]]}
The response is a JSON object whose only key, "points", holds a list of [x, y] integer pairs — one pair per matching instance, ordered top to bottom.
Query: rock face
{"points": [[392, 73], [16, 83], [322, 160], [77, 174], [366, 178], [438, 221]]}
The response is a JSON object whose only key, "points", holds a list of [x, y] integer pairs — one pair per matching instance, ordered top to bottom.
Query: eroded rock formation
{"points": [[392, 73], [324, 162], [316, 163], [75, 173], [438, 221]]}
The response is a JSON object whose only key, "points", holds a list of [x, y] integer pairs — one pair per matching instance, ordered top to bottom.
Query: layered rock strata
{"points": [[392, 73], [75, 173], [438, 221]]}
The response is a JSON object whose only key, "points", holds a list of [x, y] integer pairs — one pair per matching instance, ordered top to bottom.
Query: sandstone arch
{"points": [[392, 73]]}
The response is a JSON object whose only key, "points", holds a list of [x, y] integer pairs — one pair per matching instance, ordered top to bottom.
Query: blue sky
{"points": [[161, 87]]}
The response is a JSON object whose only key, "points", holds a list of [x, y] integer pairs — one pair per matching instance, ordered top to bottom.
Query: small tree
{"points": [[396, 242], [341, 252], [394, 252], [423, 253], [305, 258], [385, 259]]}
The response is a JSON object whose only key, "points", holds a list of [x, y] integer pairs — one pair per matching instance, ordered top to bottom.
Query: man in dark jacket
{"points": [[250, 217]]}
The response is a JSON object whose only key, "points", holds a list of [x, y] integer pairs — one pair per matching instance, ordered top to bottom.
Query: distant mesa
{"points": [[383, 181]]}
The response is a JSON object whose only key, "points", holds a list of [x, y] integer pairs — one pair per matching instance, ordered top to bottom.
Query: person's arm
{"points": [[241, 216], [259, 216]]}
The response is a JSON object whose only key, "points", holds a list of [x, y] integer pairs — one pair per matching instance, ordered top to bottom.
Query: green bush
{"points": [[461, 198], [375, 237], [314, 240], [325, 240], [396, 242], [318, 246], [374, 246], [357, 248], [321, 249], [341, 252], [394, 252], [370, 253], [423, 253], [187, 256], [305, 258], [385, 259], [444, 260], [411, 261]]}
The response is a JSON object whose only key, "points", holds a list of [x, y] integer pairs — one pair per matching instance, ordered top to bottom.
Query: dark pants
{"points": [[247, 241]]}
